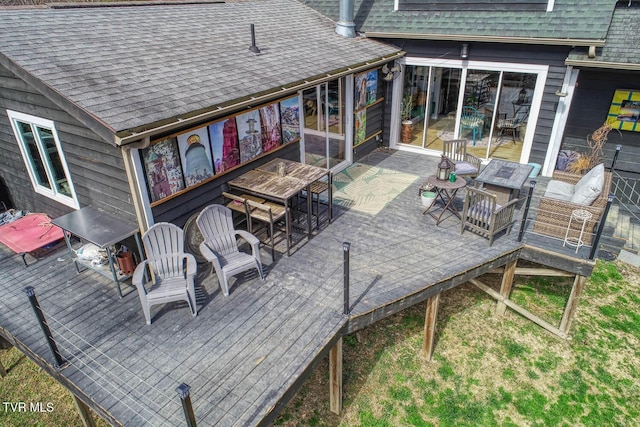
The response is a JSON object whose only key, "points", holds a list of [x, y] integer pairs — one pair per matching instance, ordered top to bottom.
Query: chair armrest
{"points": [[475, 161], [568, 177], [250, 238], [192, 266], [138, 275]]}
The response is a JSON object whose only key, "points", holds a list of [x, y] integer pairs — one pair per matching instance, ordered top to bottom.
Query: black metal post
{"points": [[615, 157], [525, 213], [596, 242], [346, 247], [31, 293], [185, 398]]}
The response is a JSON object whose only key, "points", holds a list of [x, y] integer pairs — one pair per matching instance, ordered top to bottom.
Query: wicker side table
{"points": [[577, 215]]}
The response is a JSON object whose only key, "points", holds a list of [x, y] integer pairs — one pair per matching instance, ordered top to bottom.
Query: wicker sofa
{"points": [[553, 214]]}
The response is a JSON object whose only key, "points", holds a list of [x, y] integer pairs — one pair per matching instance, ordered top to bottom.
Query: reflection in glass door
{"points": [[324, 124]]}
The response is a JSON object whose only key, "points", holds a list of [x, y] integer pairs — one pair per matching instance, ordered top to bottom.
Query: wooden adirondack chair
{"points": [[220, 246], [172, 269]]}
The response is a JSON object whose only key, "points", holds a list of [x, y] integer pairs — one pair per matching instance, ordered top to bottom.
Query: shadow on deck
{"points": [[245, 356]]}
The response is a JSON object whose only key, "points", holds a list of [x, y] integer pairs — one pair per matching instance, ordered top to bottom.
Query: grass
{"points": [[487, 370], [491, 370]]}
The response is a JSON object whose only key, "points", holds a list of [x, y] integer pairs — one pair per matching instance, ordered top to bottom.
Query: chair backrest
{"points": [[471, 115], [455, 149], [481, 204], [216, 226], [164, 245]]}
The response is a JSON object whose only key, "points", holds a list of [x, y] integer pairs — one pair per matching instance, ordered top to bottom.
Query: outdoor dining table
{"points": [[265, 181], [445, 192]]}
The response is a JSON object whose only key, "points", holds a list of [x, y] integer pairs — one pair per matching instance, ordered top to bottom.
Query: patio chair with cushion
{"points": [[472, 119], [465, 164], [567, 192], [482, 214], [220, 245], [173, 270]]}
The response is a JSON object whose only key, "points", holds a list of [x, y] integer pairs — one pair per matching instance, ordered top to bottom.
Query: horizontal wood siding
{"points": [[506, 53], [589, 109], [96, 167], [179, 209]]}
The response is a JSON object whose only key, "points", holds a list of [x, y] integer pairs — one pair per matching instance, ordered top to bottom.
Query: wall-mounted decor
{"points": [[366, 89], [289, 111], [624, 113], [360, 124], [270, 127], [249, 135], [224, 144], [196, 156], [163, 170]]}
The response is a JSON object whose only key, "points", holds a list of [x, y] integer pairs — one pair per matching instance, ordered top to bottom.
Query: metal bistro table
{"points": [[504, 178], [264, 181], [446, 192], [103, 230]]}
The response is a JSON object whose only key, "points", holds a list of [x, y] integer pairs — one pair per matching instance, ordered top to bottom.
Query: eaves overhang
{"points": [[488, 39], [602, 64], [168, 125]]}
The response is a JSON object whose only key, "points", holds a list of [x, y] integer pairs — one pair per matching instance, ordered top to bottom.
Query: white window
{"points": [[43, 156]]}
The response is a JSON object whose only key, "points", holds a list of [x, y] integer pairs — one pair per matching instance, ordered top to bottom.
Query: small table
{"points": [[504, 178], [446, 193], [577, 215], [103, 230]]}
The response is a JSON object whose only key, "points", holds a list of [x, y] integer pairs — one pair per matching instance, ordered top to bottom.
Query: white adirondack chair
{"points": [[220, 246], [172, 269]]}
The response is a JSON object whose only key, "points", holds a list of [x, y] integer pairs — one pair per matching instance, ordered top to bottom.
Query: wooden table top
{"points": [[447, 185]]}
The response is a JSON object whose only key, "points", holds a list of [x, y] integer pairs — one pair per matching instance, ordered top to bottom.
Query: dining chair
{"points": [[472, 119], [465, 164], [317, 188], [237, 203], [269, 213], [482, 214], [220, 245], [173, 270]]}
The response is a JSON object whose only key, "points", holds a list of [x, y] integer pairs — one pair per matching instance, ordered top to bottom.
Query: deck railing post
{"points": [[615, 157], [525, 213], [596, 242], [346, 247], [31, 294], [185, 398]]}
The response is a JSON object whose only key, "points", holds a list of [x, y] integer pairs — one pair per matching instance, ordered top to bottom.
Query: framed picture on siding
{"points": [[624, 113], [290, 114], [360, 124], [270, 129], [249, 135], [224, 144], [195, 153], [163, 170]]}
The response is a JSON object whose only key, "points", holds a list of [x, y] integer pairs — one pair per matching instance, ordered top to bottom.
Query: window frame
{"points": [[52, 193]]}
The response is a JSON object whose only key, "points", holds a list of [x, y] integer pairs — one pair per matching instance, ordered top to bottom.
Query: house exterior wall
{"points": [[589, 108], [96, 167]]}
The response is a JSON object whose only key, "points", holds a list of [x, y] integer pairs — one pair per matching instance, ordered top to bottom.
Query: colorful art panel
{"points": [[366, 89], [624, 113], [290, 114], [270, 127], [360, 133], [249, 135], [224, 144], [195, 153], [162, 166]]}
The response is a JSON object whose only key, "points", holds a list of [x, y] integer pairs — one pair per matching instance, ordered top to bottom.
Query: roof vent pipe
{"points": [[345, 26], [253, 48]]}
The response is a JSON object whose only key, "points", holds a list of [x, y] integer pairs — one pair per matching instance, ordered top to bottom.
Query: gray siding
{"points": [[589, 109], [96, 167]]}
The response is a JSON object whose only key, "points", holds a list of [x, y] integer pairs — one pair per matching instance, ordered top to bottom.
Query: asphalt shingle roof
{"points": [[570, 19], [132, 66]]}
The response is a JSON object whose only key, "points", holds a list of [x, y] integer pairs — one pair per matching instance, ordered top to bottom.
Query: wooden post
{"points": [[506, 286], [572, 303], [430, 326], [4, 345], [3, 372], [335, 378], [84, 411]]}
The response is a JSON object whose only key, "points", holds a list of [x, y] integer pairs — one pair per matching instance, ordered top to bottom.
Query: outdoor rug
{"points": [[368, 189]]}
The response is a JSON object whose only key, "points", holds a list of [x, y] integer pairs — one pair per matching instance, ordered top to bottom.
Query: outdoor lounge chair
{"points": [[465, 164], [482, 214], [220, 246], [173, 270]]}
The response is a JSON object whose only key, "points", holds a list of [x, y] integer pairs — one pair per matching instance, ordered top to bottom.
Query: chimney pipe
{"points": [[345, 26], [253, 48]]}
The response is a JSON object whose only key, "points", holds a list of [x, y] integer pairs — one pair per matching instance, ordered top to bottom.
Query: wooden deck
{"points": [[244, 356]]}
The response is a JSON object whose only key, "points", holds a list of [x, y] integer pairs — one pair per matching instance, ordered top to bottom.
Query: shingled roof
{"points": [[572, 22], [130, 68]]}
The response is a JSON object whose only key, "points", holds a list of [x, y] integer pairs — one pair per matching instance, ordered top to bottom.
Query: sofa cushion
{"points": [[589, 187], [559, 190]]}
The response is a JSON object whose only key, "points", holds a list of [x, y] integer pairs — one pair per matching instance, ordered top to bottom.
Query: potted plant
{"points": [[406, 133], [595, 141]]}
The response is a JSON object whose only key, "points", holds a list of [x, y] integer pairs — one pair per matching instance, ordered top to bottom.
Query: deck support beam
{"points": [[506, 286], [572, 303], [430, 326], [4, 345], [335, 377], [84, 411]]}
